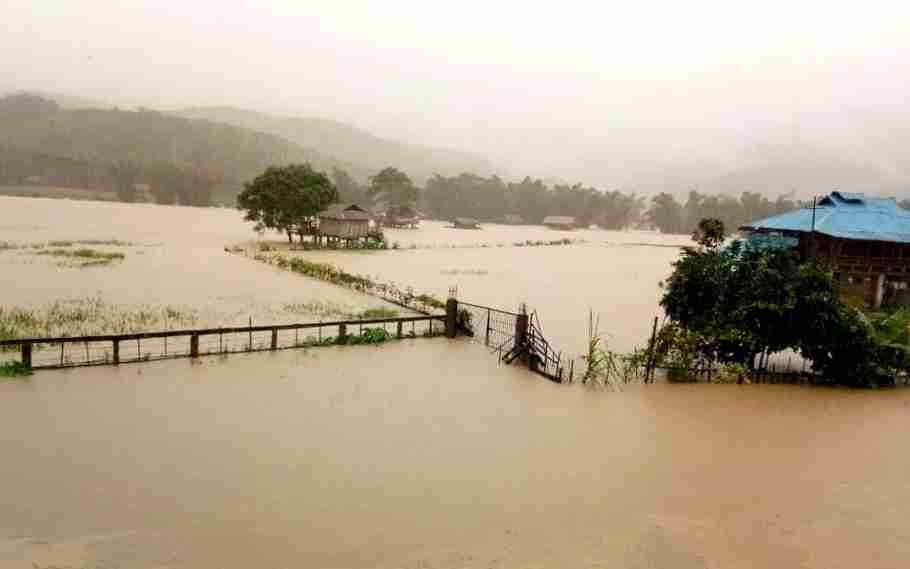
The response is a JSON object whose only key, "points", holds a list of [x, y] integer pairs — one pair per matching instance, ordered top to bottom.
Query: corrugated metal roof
{"points": [[847, 216]]}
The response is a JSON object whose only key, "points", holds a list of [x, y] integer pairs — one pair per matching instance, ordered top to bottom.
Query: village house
{"points": [[401, 216], [513, 219], [344, 222], [559, 222], [465, 223], [866, 240]]}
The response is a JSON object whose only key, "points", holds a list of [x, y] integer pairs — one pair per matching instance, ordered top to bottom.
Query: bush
{"points": [[14, 369]]}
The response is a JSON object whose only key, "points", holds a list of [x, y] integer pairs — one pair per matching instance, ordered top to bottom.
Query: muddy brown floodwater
{"points": [[424, 453]]}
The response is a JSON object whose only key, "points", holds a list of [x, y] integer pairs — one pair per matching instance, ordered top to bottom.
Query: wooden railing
{"points": [[60, 352]]}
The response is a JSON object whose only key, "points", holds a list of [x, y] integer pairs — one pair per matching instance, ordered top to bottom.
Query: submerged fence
{"points": [[513, 336], [51, 353]]}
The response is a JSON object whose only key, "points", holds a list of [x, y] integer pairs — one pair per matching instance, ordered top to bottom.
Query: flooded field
{"points": [[175, 258], [178, 259], [419, 453]]}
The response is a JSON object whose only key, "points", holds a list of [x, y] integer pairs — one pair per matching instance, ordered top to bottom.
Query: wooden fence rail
{"points": [[74, 351]]}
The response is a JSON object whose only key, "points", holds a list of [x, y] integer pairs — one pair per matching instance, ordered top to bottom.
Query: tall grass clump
{"points": [[604, 367]]}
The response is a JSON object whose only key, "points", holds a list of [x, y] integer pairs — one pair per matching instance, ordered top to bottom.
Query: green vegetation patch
{"points": [[379, 312], [369, 336], [13, 370]]}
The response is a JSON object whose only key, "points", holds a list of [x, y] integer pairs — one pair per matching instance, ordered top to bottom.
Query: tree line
{"points": [[492, 199], [669, 215]]}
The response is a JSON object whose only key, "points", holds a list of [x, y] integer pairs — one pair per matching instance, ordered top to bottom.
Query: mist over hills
{"points": [[96, 138], [354, 145], [866, 150]]}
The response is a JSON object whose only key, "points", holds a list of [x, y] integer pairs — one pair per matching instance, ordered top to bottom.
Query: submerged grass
{"points": [[38, 245], [83, 257], [332, 274], [87, 317]]}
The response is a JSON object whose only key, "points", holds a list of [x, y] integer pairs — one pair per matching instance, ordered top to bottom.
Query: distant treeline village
{"points": [[147, 156]]}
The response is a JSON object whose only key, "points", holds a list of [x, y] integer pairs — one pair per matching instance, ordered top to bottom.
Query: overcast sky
{"points": [[544, 88]]}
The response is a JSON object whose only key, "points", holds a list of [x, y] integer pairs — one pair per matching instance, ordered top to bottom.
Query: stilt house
{"points": [[866, 240]]}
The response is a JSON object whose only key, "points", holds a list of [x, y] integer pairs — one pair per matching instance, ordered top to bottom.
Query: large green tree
{"points": [[395, 186], [287, 198]]}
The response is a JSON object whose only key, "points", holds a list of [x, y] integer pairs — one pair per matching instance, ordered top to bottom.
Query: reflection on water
{"points": [[426, 454]]}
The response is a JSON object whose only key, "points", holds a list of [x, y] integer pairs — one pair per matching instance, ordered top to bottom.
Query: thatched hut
{"points": [[401, 216], [344, 221], [560, 222], [465, 223]]}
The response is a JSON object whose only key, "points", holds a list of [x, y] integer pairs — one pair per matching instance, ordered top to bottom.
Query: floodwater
{"points": [[178, 260], [181, 261], [421, 453], [426, 454]]}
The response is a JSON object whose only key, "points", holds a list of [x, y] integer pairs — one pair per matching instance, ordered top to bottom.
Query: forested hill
{"points": [[145, 138], [351, 144]]}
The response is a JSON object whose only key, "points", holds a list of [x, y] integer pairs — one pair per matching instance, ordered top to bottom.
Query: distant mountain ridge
{"points": [[48, 141], [350, 144]]}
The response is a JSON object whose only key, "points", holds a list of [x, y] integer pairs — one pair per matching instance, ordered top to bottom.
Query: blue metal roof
{"points": [[847, 216]]}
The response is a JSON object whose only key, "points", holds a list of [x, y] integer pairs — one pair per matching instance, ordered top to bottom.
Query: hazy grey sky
{"points": [[544, 88]]}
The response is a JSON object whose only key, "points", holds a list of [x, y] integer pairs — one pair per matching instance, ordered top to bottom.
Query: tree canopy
{"points": [[395, 186], [287, 198], [491, 199]]}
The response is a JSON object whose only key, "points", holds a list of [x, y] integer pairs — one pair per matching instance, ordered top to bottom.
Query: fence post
{"points": [[451, 318], [521, 330], [400, 332], [342, 333], [274, 338], [486, 340], [194, 345], [116, 348], [27, 355], [649, 364]]}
